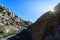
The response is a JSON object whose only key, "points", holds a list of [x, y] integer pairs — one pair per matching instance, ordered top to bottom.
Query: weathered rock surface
{"points": [[10, 23], [46, 24]]}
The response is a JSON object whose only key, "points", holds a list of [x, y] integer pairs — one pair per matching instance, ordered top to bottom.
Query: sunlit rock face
{"points": [[10, 24]]}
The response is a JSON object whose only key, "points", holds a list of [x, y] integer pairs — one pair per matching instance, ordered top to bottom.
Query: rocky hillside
{"points": [[10, 23], [47, 27]]}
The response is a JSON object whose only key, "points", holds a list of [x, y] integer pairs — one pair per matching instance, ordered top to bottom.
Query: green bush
{"points": [[1, 9], [11, 23], [24, 25], [1, 29], [10, 33], [4, 34]]}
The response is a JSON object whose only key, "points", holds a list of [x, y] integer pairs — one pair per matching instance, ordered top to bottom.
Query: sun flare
{"points": [[52, 10]]}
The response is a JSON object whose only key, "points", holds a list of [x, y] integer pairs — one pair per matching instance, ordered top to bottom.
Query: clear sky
{"points": [[29, 10]]}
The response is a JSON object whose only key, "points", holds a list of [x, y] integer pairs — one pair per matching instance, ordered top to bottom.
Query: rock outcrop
{"points": [[10, 23], [46, 24]]}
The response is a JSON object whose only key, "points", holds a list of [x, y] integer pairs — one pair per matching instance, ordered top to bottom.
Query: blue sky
{"points": [[29, 10]]}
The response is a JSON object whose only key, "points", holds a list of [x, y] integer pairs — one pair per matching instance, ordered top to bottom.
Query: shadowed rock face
{"points": [[46, 24], [47, 27], [23, 35], [55, 35]]}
